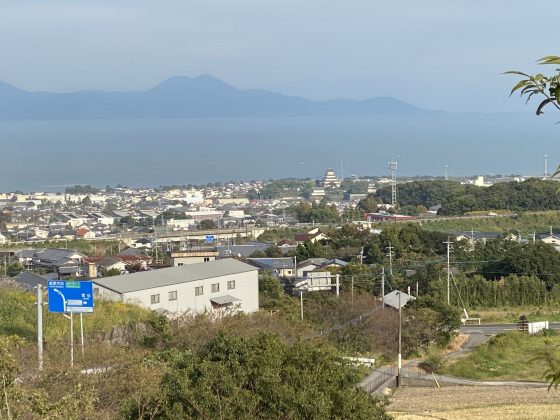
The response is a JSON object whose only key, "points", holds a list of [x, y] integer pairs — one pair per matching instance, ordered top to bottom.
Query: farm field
{"points": [[480, 402]]}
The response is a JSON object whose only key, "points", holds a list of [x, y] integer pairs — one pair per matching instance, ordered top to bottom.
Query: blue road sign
{"points": [[210, 238], [70, 296]]}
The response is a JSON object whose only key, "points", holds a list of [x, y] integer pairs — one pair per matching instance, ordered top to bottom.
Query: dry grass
{"points": [[457, 343], [453, 403], [515, 411]]}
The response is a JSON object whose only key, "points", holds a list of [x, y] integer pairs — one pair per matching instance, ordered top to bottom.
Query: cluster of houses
{"points": [[90, 213], [197, 279]]}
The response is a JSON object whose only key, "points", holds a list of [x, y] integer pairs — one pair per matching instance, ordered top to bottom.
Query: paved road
{"points": [[493, 329], [384, 376]]}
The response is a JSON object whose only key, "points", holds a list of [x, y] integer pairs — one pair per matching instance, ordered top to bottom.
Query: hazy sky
{"points": [[438, 54]]}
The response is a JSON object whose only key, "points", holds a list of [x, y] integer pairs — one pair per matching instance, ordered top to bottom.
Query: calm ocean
{"points": [[48, 155]]}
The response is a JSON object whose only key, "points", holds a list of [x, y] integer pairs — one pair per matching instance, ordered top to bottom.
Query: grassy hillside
{"points": [[18, 316]]}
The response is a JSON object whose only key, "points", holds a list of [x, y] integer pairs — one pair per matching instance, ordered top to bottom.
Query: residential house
{"points": [[102, 219], [84, 233], [314, 235], [473, 237], [142, 243], [241, 251], [194, 256], [135, 259], [63, 261], [334, 263], [95, 266], [308, 266], [282, 267], [29, 280], [316, 281], [220, 285]]}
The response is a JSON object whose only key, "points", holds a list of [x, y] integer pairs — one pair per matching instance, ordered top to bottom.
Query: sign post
{"points": [[67, 297], [40, 325], [71, 339]]}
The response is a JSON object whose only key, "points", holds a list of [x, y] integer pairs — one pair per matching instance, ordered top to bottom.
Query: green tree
{"points": [[86, 201], [207, 224], [273, 252], [112, 272], [262, 377]]}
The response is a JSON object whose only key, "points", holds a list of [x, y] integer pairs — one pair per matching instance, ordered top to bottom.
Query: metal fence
{"points": [[386, 377]]}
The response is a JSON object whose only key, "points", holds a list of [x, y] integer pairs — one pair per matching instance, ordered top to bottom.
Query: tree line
{"points": [[457, 199]]}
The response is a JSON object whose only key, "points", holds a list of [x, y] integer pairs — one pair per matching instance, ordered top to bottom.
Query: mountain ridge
{"points": [[203, 96]]}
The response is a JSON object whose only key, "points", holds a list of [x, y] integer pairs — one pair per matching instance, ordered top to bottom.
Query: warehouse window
{"points": [[231, 284], [215, 287], [198, 291], [173, 295], [154, 299]]}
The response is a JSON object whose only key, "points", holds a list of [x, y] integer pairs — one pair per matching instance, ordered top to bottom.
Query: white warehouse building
{"points": [[215, 285]]}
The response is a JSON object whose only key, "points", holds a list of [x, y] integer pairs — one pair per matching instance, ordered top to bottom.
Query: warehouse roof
{"points": [[174, 275]]}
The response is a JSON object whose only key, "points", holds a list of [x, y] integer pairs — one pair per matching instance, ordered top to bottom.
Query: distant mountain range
{"points": [[184, 97]]}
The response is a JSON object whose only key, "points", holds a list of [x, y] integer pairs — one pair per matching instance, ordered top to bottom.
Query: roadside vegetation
{"points": [[91, 248], [507, 356], [198, 366]]}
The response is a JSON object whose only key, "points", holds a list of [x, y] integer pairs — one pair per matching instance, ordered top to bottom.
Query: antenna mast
{"points": [[393, 168]]}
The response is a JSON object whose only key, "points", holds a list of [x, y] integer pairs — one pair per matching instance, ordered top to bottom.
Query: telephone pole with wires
{"points": [[448, 243], [390, 254]]}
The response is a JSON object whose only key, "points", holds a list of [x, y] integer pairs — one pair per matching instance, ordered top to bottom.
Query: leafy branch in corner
{"points": [[540, 85], [547, 87]]}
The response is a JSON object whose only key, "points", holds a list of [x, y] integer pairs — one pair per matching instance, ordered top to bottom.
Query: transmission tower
{"points": [[393, 168]]}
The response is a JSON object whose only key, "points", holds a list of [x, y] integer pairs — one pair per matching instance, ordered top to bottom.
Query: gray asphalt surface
{"points": [[493, 329]]}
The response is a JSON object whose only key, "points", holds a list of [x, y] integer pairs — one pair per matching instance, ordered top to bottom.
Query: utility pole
{"points": [[446, 178], [449, 243], [390, 255], [361, 256], [338, 286], [383, 287], [352, 288], [301, 302], [399, 360]]}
